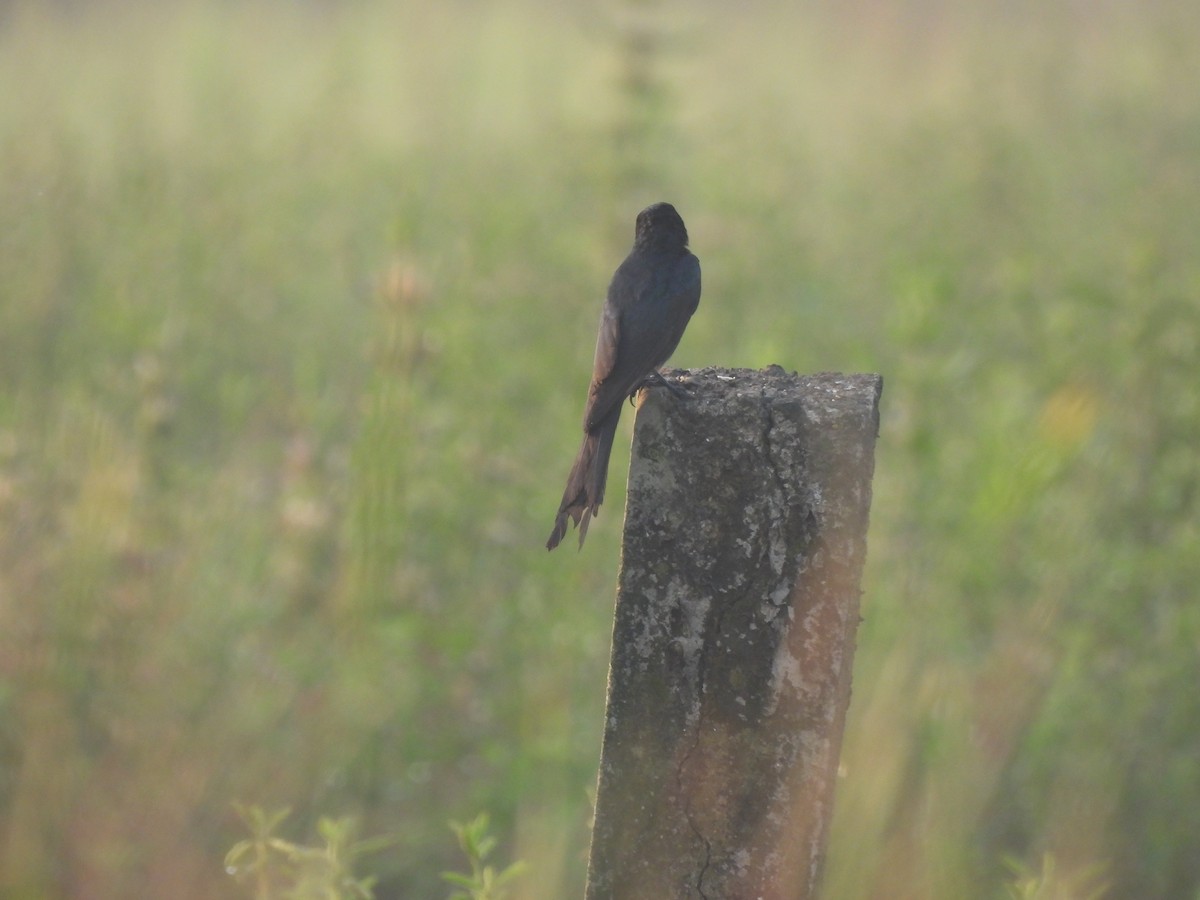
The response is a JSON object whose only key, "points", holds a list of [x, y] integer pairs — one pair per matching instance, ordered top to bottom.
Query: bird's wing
{"points": [[656, 310], [607, 341]]}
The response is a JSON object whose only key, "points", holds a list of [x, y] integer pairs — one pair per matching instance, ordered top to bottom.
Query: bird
{"points": [[650, 301]]}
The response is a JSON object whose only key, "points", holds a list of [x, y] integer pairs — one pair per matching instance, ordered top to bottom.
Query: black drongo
{"points": [[650, 300]]}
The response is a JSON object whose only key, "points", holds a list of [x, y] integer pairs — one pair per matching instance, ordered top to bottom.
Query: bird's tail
{"points": [[585, 485]]}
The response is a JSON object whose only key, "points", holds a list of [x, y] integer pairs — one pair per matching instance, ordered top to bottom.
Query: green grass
{"points": [[297, 305]]}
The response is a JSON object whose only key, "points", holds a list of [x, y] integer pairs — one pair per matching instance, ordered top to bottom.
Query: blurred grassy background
{"points": [[297, 305]]}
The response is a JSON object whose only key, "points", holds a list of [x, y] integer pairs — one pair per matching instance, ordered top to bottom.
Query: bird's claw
{"points": [[655, 379]]}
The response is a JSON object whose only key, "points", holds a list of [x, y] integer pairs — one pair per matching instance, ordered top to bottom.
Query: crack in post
{"points": [[774, 540], [713, 629], [684, 794], [687, 815]]}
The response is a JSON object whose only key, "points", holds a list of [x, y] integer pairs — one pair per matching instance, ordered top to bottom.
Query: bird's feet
{"points": [[655, 379]]}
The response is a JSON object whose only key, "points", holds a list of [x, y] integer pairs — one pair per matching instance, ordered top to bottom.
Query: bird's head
{"points": [[660, 226]]}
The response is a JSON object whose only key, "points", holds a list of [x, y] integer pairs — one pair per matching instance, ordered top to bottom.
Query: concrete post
{"points": [[737, 605]]}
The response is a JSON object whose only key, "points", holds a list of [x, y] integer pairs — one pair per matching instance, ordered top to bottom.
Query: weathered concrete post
{"points": [[737, 605]]}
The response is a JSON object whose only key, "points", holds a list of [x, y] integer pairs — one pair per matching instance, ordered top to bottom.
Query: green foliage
{"points": [[296, 311], [278, 869], [484, 882], [1049, 884]]}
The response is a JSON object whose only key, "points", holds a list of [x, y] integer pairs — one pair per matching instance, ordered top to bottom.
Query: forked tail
{"points": [[585, 485]]}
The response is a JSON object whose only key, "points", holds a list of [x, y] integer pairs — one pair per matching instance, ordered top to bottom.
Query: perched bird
{"points": [[650, 300]]}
